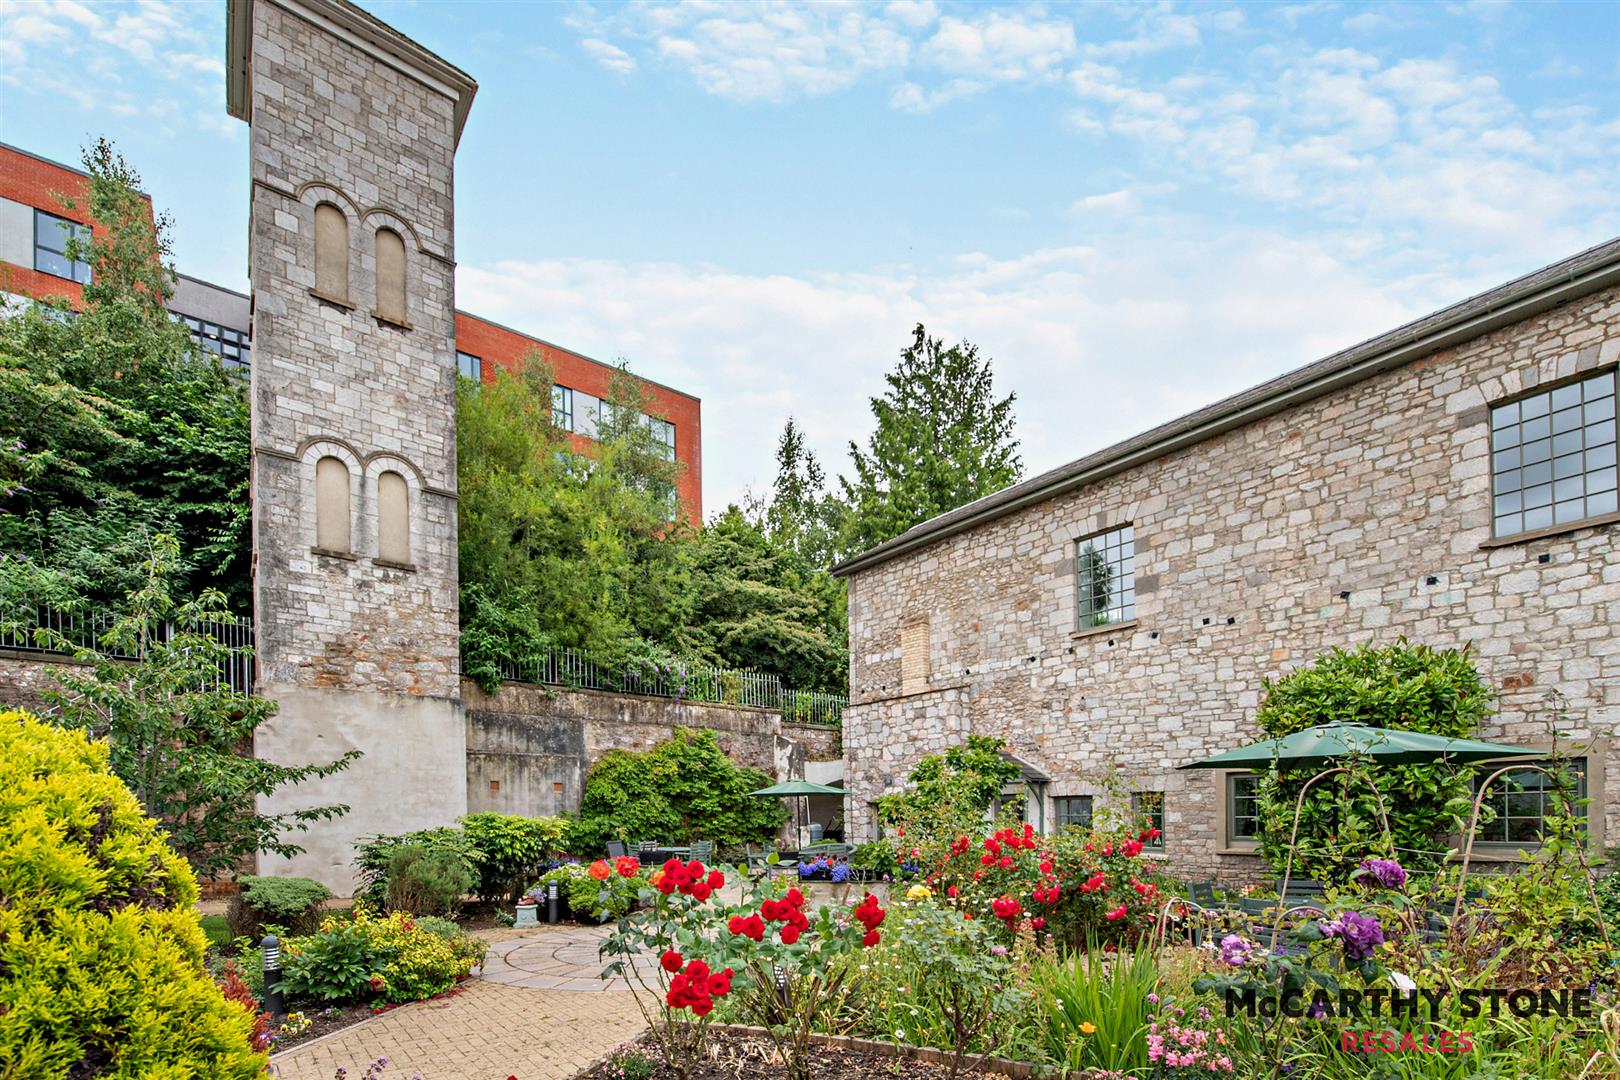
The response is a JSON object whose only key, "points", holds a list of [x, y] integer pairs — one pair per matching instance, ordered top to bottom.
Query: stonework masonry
{"points": [[1357, 517], [360, 652]]}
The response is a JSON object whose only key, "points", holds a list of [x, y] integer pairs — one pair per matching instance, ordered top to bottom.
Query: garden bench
{"points": [[615, 849]]}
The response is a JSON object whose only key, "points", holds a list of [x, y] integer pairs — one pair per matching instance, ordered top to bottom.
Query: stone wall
{"points": [[1359, 517], [359, 651], [24, 677], [529, 747]]}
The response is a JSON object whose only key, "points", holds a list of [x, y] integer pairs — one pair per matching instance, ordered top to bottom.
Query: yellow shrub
{"points": [[101, 953]]}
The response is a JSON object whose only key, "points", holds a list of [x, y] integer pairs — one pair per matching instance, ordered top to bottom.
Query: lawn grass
{"points": [[218, 933]]}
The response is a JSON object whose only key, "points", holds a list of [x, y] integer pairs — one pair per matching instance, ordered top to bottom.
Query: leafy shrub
{"points": [[1402, 687], [685, 787], [950, 793], [507, 851], [373, 852], [425, 882], [590, 897], [293, 903], [100, 945], [466, 946], [364, 954], [334, 965], [1106, 994]]}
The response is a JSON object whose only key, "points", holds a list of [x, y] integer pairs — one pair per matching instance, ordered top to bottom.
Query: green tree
{"points": [[114, 424], [942, 440], [800, 515], [559, 548], [755, 605], [1400, 686], [175, 731], [684, 788], [951, 794]]}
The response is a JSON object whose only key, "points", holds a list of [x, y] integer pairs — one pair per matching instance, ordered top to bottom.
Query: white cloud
{"points": [[999, 46], [609, 55], [1109, 202], [1100, 340]]}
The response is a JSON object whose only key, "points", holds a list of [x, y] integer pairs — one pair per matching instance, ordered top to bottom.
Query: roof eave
{"points": [[345, 19], [1583, 274]]}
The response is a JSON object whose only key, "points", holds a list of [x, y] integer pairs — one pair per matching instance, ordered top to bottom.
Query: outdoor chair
{"points": [[615, 849], [703, 851], [758, 866]]}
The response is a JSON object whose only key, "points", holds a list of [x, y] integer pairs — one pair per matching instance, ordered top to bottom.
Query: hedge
{"points": [[101, 950]]}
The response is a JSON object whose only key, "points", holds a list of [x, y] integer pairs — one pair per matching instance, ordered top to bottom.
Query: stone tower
{"points": [[352, 259]]}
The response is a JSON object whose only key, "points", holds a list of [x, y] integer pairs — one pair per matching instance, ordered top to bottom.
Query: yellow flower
{"points": [[919, 892], [1088, 1028]]}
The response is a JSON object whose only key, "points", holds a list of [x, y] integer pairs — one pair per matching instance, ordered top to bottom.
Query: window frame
{"points": [[74, 231], [461, 356], [562, 415], [1498, 538], [1126, 608], [1591, 763], [1058, 803], [1138, 815], [1231, 843]]}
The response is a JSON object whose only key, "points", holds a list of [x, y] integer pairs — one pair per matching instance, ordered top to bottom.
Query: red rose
{"points": [[992, 846], [987, 859], [1005, 862], [1046, 866], [694, 870], [717, 880], [700, 891], [951, 892], [794, 897], [771, 910], [1117, 913], [1038, 923], [735, 924], [754, 927], [790, 935], [872, 938], [671, 960], [697, 971], [719, 985], [703, 1006]]}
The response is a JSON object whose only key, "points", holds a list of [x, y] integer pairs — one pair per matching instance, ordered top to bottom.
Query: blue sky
{"points": [[1134, 209]]}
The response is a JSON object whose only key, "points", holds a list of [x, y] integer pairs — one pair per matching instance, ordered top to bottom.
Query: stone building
{"points": [[352, 260], [1452, 481]]}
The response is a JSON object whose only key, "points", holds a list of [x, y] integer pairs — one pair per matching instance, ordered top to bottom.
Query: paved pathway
{"points": [[537, 1011]]}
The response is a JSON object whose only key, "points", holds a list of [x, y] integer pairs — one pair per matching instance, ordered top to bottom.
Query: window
{"points": [[51, 236], [390, 251], [331, 253], [233, 347], [470, 366], [562, 408], [663, 435], [1553, 456], [332, 505], [393, 518], [1105, 577], [914, 657], [1523, 800], [1147, 808], [1242, 809], [1072, 810]]}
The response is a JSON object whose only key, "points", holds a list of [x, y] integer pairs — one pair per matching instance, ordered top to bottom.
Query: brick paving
{"points": [[538, 1010]]}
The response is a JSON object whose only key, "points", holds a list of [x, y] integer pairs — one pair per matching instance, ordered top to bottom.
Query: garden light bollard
{"points": [[551, 902], [272, 975]]}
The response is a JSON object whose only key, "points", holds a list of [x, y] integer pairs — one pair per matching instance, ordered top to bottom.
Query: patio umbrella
{"points": [[1316, 746], [790, 788]]}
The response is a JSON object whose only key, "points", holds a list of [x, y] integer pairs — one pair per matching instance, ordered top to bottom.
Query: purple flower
{"points": [[1387, 872], [1361, 934], [1235, 950]]}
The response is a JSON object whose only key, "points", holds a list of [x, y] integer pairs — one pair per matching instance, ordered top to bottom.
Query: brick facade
{"points": [[1356, 517]]}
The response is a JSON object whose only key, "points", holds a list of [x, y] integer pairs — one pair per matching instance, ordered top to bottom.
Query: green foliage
{"points": [[116, 425], [942, 440], [800, 517], [558, 548], [756, 605], [1400, 686], [175, 732], [683, 788], [951, 793], [508, 849], [372, 854], [422, 881], [611, 897], [293, 903], [100, 946], [393, 957], [333, 965], [962, 993], [1109, 993]]}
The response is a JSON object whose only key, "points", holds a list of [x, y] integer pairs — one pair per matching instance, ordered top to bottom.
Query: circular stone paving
{"points": [[556, 959]]}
